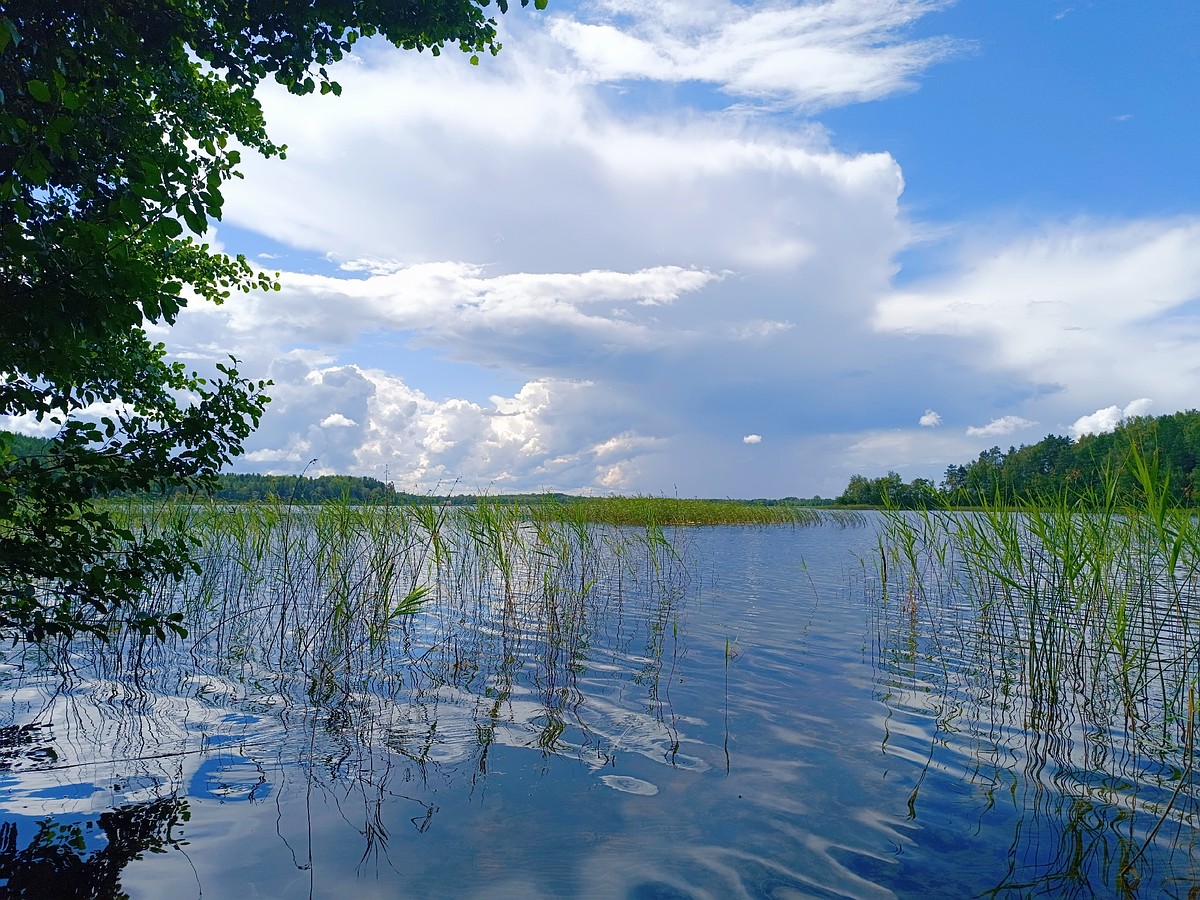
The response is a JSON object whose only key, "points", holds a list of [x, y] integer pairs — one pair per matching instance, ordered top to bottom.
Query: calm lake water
{"points": [[753, 719]]}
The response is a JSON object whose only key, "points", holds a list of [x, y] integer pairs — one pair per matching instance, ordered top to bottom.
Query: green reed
{"points": [[311, 588], [321, 590], [316, 606], [1073, 622], [370, 632]]}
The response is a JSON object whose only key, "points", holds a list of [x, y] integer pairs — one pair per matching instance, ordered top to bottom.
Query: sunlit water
{"points": [[766, 725]]}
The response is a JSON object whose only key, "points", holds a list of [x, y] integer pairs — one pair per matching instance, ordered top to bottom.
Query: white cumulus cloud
{"points": [[656, 280], [1138, 407], [1108, 418], [930, 419], [752, 439]]}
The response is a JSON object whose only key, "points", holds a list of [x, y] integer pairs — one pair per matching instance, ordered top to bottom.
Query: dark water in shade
{"points": [[766, 727]]}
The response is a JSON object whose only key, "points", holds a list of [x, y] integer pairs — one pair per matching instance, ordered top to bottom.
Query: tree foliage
{"points": [[120, 123], [1030, 473], [242, 488], [888, 491]]}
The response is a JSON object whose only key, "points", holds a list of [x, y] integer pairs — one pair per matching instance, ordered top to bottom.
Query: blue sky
{"points": [[725, 249]]}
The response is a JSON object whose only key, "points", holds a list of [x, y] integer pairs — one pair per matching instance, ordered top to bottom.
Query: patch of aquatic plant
{"points": [[673, 511], [344, 575], [337, 607], [1062, 635], [346, 637]]}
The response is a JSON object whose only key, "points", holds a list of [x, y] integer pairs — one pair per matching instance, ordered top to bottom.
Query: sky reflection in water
{"points": [[762, 726]]}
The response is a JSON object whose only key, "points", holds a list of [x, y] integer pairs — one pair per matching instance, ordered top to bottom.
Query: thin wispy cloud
{"points": [[812, 55], [1052, 311], [1000, 426]]}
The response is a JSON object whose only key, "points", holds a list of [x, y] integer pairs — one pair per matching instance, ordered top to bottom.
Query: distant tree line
{"points": [[1051, 466], [241, 488], [790, 501]]}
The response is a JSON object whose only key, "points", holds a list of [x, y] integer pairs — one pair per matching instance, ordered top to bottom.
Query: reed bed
{"points": [[673, 511], [302, 582], [309, 589], [369, 619], [346, 636], [1061, 641]]}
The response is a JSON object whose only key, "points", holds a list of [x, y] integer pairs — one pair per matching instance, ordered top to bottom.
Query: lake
{"points": [[709, 712]]}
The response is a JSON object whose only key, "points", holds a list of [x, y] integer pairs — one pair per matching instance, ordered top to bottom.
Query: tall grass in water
{"points": [[285, 588], [317, 604], [1061, 635], [346, 637]]}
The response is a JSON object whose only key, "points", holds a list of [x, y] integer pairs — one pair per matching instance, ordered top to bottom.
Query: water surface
{"points": [[755, 718]]}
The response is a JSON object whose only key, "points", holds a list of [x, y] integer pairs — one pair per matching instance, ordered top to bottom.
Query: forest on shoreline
{"points": [[1054, 466]]}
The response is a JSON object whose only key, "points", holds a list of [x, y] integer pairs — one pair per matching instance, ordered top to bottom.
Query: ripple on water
{"points": [[630, 785]]}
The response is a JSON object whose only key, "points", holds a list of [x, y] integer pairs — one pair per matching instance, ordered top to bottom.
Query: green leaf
{"points": [[8, 33], [39, 91], [169, 227]]}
